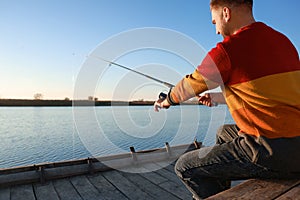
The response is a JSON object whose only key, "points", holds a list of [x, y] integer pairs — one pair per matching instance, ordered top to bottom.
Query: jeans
{"points": [[209, 170]]}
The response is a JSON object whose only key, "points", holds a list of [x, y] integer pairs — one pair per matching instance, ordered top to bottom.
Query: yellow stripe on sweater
{"points": [[268, 91]]}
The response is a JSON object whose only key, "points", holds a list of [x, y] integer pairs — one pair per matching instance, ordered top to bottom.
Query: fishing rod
{"points": [[169, 85], [162, 95]]}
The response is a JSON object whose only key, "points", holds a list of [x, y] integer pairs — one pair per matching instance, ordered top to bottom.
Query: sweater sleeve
{"points": [[216, 65], [208, 75]]}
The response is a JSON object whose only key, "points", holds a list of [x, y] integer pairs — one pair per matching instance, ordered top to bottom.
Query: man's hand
{"points": [[212, 99], [206, 100], [159, 104]]}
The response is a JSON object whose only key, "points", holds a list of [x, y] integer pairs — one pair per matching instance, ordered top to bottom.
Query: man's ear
{"points": [[226, 14]]}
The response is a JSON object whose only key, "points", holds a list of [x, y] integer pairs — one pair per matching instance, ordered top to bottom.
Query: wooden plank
{"points": [[142, 158], [164, 164], [167, 165], [155, 168], [66, 171], [171, 176], [154, 177], [19, 178], [171, 182], [174, 184], [125, 186], [150, 188], [106, 189], [256, 189], [272, 189], [65, 190], [86, 190], [179, 190], [45, 191], [22, 192], [4, 193], [294, 193]]}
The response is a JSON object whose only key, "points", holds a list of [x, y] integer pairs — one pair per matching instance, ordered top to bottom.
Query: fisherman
{"points": [[258, 70]]}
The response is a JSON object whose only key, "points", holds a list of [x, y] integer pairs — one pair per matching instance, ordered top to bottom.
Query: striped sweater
{"points": [[258, 70]]}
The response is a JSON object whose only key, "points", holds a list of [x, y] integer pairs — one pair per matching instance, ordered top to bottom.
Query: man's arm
{"points": [[211, 73], [190, 86]]}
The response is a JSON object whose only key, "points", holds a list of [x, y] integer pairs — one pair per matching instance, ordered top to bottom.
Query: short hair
{"points": [[231, 3]]}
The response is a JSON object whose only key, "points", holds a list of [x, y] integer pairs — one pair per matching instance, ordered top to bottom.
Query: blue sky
{"points": [[44, 43]]}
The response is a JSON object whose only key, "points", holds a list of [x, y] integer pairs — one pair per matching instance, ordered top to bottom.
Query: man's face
{"points": [[219, 20]]}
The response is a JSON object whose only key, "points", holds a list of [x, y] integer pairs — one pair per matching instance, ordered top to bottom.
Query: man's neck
{"points": [[243, 16], [243, 23]]}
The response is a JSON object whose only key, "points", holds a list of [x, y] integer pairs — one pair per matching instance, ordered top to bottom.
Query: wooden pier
{"points": [[137, 175], [113, 184]]}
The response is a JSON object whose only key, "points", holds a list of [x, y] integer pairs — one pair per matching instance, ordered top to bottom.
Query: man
{"points": [[258, 70]]}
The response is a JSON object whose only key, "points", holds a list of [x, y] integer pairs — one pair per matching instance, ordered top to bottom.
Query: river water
{"points": [[32, 135]]}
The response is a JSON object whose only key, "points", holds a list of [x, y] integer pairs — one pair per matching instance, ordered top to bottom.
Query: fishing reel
{"points": [[162, 96]]}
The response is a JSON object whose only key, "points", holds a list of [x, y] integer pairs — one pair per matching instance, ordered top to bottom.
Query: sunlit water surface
{"points": [[32, 135]]}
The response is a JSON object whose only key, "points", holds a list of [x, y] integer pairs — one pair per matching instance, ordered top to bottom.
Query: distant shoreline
{"points": [[68, 103]]}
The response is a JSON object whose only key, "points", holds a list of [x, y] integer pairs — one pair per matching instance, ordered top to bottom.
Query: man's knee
{"points": [[190, 161], [186, 162], [180, 165]]}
